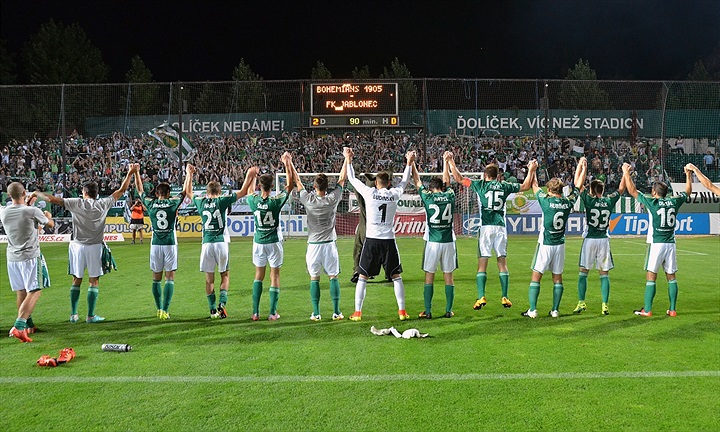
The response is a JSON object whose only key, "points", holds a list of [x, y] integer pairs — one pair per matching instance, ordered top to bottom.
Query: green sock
{"points": [[480, 280], [504, 283], [582, 286], [605, 288], [168, 291], [672, 292], [157, 293], [533, 293], [256, 294], [335, 294], [274, 295], [428, 295], [557, 295], [649, 295], [92, 296], [223, 296], [315, 296], [449, 297], [74, 298], [211, 300], [30, 323], [20, 324]]}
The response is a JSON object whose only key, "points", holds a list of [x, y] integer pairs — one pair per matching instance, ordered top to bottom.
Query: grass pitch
{"points": [[488, 369]]}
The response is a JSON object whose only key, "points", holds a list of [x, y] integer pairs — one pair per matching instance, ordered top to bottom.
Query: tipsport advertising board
{"points": [[620, 224]]}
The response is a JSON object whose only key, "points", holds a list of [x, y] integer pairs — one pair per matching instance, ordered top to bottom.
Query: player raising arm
{"points": [[703, 179], [162, 210], [662, 211], [492, 236], [267, 244], [379, 248], [85, 249], [440, 249], [215, 251], [595, 251], [550, 252], [322, 254], [25, 263]]}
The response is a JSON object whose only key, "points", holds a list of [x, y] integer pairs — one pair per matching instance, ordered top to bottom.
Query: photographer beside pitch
{"points": [[85, 249], [25, 264]]}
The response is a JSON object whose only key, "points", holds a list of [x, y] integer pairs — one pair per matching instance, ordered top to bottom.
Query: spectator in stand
{"points": [[709, 160]]}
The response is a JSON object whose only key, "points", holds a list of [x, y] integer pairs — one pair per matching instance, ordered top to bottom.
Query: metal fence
{"points": [[660, 126]]}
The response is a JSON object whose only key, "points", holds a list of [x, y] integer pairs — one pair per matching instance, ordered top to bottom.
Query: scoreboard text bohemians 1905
{"points": [[354, 105]]}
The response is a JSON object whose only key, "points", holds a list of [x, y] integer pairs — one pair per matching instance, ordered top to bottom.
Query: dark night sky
{"points": [[205, 40]]}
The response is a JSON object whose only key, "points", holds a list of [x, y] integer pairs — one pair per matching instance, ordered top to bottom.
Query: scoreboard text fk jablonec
{"points": [[369, 104]]}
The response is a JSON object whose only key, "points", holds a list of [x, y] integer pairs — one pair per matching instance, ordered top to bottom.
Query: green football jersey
{"points": [[492, 195], [440, 210], [212, 212], [597, 213], [163, 214], [555, 215], [663, 215], [267, 216]]}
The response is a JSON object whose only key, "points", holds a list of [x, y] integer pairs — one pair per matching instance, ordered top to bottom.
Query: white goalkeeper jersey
{"points": [[380, 205]]}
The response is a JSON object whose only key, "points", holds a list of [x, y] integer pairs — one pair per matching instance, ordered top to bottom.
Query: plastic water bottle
{"points": [[116, 347]]}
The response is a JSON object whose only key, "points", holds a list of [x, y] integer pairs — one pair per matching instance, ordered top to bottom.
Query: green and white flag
{"points": [[169, 136]]}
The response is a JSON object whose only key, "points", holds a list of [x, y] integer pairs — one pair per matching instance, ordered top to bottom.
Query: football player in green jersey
{"points": [[439, 203], [212, 209], [162, 210], [662, 212], [492, 235], [267, 244], [595, 251], [550, 252]]}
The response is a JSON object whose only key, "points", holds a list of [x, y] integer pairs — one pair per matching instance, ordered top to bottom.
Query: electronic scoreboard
{"points": [[368, 104]]}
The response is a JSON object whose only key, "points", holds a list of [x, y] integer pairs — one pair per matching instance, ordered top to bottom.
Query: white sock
{"points": [[399, 292], [360, 293]]}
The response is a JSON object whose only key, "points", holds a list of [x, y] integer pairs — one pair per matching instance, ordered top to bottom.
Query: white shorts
{"points": [[136, 226], [492, 238], [271, 253], [214, 254], [443, 254], [595, 254], [661, 254], [81, 257], [322, 257], [549, 257], [163, 258], [29, 275]]}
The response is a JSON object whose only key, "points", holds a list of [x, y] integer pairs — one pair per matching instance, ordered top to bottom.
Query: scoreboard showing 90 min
{"points": [[354, 105]]}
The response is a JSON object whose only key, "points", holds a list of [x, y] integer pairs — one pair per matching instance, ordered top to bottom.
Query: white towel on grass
{"points": [[407, 334]]}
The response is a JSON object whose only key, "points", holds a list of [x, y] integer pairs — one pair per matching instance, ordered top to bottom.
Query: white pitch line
{"points": [[679, 250], [357, 378]]}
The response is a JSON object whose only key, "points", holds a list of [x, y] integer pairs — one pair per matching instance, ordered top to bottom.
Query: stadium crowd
{"points": [[103, 159]]}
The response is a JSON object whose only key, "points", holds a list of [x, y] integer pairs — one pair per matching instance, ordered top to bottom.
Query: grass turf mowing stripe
{"points": [[360, 378]]}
